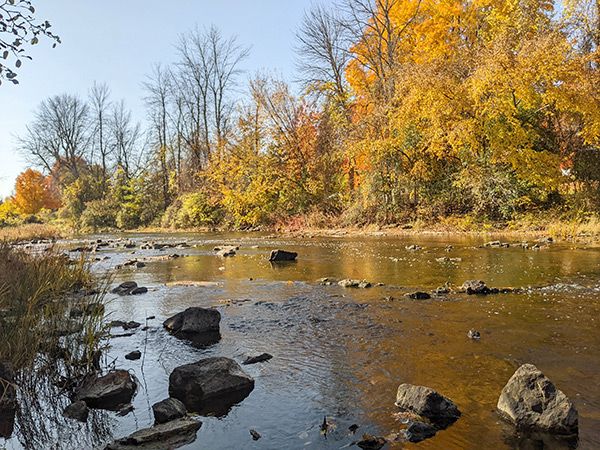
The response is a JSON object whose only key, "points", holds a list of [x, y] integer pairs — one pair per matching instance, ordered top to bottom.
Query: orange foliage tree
{"points": [[34, 192]]}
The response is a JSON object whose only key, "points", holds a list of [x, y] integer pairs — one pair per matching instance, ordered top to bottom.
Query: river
{"points": [[342, 352]]}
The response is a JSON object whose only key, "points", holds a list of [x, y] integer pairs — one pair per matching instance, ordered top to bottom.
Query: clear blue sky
{"points": [[117, 42]]}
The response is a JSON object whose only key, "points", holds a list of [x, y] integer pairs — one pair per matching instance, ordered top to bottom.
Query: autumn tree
{"points": [[34, 192]]}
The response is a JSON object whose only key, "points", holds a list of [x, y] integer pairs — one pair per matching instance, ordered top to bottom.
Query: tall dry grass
{"points": [[29, 232]]}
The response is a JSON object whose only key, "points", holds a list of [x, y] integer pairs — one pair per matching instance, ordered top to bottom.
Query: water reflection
{"points": [[342, 353]]}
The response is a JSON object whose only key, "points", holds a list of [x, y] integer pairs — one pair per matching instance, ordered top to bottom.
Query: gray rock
{"points": [[282, 255], [125, 288], [138, 290], [419, 295], [194, 320], [134, 355], [257, 359], [211, 384], [110, 391], [531, 402], [427, 403], [168, 409], [77, 410], [173, 434]]}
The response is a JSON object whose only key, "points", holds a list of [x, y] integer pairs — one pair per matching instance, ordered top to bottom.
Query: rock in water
{"points": [[282, 255], [475, 287], [125, 288], [138, 290], [419, 295], [194, 320], [474, 334], [134, 355], [257, 359], [210, 385], [110, 391], [531, 402], [427, 403], [167, 410], [78, 411], [419, 431], [163, 436], [369, 442]]}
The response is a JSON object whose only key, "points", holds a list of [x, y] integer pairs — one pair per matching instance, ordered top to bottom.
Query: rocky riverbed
{"points": [[329, 336]]}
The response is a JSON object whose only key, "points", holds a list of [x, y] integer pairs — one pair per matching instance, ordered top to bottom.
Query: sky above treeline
{"points": [[118, 42]]}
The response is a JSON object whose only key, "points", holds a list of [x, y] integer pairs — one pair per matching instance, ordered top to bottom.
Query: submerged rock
{"points": [[282, 255], [194, 320], [257, 359], [210, 385], [110, 391], [426, 402], [531, 402], [168, 409], [77, 410], [419, 431], [173, 434], [369, 442]]}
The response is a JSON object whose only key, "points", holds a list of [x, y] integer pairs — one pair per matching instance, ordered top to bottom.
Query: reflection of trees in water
{"points": [[39, 421]]}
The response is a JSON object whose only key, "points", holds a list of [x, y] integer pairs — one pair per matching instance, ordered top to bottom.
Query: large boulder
{"points": [[282, 255], [194, 320], [210, 385], [110, 391], [426, 402], [531, 402], [168, 409], [173, 434]]}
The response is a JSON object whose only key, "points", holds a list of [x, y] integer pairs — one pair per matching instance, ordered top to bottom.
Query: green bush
{"points": [[191, 211], [99, 214]]}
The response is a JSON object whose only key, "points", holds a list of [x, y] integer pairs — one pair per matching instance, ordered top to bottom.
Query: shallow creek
{"points": [[342, 352]]}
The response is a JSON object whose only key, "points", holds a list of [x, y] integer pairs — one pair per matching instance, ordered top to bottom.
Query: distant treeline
{"points": [[409, 109]]}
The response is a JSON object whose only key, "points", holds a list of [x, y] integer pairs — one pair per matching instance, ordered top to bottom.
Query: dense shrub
{"points": [[192, 210], [99, 214]]}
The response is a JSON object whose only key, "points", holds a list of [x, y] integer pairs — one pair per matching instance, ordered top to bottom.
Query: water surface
{"points": [[342, 353]]}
